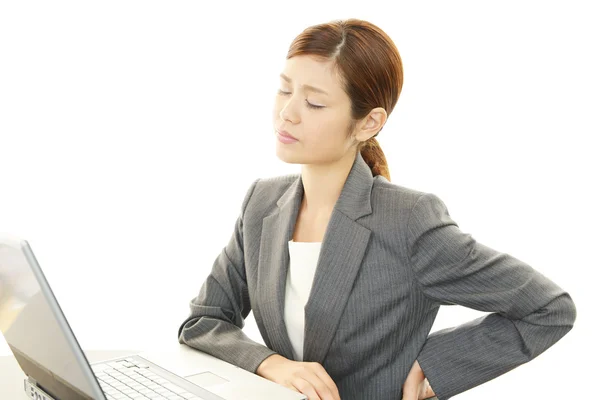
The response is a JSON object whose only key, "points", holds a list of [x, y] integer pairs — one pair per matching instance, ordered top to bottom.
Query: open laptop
{"points": [[47, 351]]}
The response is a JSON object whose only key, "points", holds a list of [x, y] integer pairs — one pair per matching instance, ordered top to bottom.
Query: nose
{"points": [[289, 111]]}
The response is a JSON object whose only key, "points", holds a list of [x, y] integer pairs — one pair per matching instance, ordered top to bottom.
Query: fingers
{"points": [[324, 376], [309, 378], [312, 380], [292, 387], [305, 387], [320, 388], [413, 388], [410, 389], [428, 390], [410, 394]]}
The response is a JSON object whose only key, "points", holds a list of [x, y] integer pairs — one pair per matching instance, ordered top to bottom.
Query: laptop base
{"points": [[33, 391]]}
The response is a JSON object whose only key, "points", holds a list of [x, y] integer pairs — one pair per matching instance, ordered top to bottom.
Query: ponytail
{"points": [[373, 155]]}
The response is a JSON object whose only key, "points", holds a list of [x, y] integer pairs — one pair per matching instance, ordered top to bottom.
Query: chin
{"points": [[288, 157]]}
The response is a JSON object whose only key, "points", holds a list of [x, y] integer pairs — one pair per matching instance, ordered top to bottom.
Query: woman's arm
{"points": [[529, 312], [217, 315]]}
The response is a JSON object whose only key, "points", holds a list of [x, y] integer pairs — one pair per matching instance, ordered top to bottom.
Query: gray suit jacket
{"points": [[390, 257]]}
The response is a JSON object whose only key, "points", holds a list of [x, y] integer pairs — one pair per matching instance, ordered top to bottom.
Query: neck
{"points": [[323, 184]]}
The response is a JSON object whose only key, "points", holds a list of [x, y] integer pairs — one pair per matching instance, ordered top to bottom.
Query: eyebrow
{"points": [[307, 87]]}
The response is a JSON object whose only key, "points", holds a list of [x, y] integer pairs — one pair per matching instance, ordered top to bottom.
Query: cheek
{"points": [[328, 123], [333, 131], [325, 132]]}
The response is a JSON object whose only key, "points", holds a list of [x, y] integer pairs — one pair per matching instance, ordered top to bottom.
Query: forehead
{"points": [[312, 71]]}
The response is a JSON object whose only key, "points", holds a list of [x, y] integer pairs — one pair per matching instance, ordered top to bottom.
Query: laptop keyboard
{"points": [[130, 379]]}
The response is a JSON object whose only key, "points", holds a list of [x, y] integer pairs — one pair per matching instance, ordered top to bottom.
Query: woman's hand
{"points": [[309, 378], [416, 386]]}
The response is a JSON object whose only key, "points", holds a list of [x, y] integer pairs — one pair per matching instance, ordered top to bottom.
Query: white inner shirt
{"points": [[303, 264]]}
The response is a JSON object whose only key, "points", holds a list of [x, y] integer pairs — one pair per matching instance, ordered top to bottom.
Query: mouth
{"points": [[285, 134]]}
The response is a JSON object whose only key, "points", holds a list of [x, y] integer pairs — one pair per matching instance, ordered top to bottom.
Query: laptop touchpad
{"points": [[206, 379]]}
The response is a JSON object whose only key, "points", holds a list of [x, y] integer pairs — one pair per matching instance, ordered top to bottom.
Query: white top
{"points": [[303, 264]]}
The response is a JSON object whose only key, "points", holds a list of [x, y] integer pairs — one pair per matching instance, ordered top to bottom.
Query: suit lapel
{"points": [[342, 251], [340, 259], [273, 264]]}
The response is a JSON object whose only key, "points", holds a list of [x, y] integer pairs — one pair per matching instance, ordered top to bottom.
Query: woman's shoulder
{"points": [[386, 191], [421, 204]]}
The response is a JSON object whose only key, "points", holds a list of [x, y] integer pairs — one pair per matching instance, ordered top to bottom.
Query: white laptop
{"points": [[47, 351]]}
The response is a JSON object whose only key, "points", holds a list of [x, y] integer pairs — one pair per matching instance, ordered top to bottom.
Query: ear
{"points": [[371, 124]]}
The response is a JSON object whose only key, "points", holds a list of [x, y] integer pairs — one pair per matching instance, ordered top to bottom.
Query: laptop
{"points": [[47, 351]]}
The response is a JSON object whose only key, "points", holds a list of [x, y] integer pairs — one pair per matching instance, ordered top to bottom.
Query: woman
{"points": [[345, 271]]}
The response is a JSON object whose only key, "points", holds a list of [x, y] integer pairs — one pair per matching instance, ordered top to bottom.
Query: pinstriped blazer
{"points": [[389, 258]]}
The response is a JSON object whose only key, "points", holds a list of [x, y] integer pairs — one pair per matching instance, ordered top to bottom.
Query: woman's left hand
{"points": [[416, 386]]}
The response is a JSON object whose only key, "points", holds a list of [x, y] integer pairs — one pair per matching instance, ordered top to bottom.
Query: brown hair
{"points": [[370, 66]]}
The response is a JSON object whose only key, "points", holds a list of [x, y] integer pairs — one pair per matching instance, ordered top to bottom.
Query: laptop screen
{"points": [[36, 330]]}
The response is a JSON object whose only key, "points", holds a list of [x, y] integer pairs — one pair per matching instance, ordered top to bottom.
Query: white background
{"points": [[131, 130]]}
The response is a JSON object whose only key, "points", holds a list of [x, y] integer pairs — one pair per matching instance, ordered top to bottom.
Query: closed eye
{"points": [[281, 92]]}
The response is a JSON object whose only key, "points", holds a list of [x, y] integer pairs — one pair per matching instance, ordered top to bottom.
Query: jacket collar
{"points": [[354, 200], [340, 258]]}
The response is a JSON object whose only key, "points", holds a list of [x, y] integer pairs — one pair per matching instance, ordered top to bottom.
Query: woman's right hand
{"points": [[309, 378]]}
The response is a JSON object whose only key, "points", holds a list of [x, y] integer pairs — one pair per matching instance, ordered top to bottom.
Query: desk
{"points": [[11, 376], [11, 382]]}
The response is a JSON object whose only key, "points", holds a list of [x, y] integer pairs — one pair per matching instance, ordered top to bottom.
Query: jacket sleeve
{"points": [[528, 311], [217, 315]]}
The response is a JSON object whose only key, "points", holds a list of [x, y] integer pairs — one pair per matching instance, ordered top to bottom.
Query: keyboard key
{"points": [[129, 379]]}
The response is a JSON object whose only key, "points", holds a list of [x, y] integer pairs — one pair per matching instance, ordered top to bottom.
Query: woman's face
{"points": [[311, 106]]}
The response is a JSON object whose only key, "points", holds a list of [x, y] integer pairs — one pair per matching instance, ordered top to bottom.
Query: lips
{"points": [[286, 134]]}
